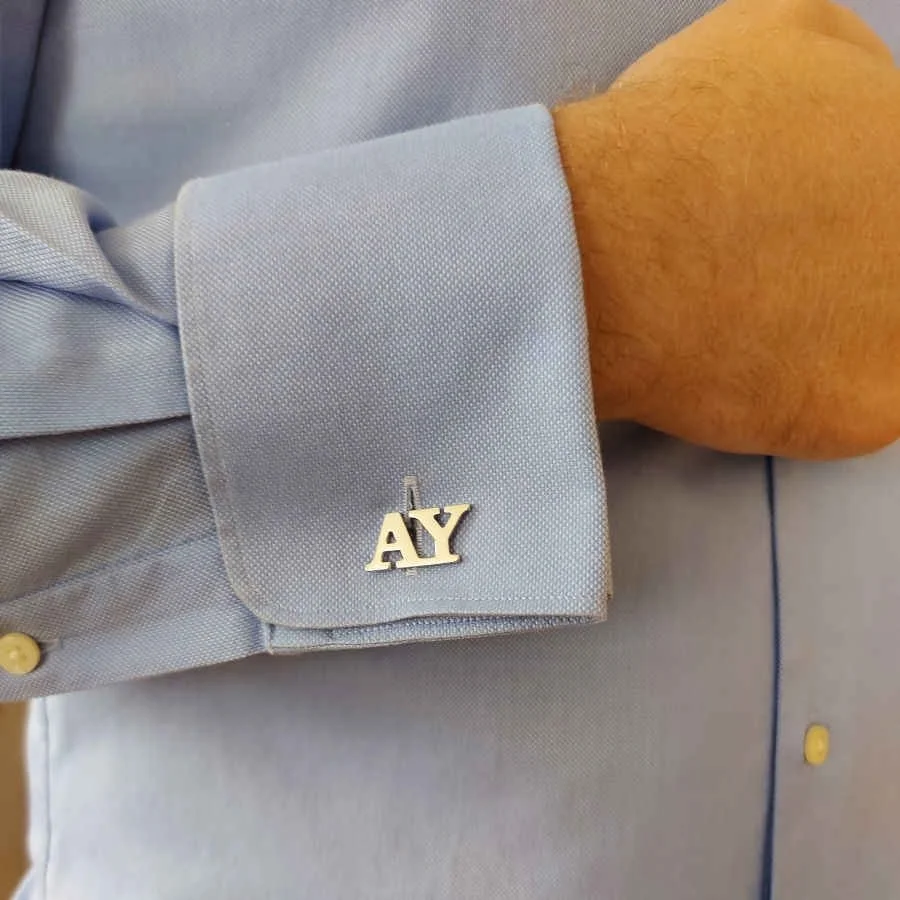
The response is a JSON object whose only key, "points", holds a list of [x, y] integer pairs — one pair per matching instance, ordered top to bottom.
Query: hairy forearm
{"points": [[736, 200], [613, 222]]}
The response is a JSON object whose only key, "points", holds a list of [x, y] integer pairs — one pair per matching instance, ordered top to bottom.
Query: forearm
{"points": [[735, 202]]}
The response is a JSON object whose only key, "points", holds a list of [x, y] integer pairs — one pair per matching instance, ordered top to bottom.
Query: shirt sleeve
{"points": [[336, 401]]}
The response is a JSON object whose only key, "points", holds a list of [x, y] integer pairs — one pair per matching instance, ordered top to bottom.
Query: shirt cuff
{"points": [[387, 371]]}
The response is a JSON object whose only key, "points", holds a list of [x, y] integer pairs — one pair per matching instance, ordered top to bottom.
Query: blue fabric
{"points": [[20, 28], [411, 303], [417, 313], [87, 325], [633, 759]]}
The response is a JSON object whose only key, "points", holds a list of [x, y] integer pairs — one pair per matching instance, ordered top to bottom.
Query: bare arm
{"points": [[737, 202]]}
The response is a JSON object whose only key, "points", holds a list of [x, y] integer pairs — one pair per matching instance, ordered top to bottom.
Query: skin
{"points": [[736, 195]]}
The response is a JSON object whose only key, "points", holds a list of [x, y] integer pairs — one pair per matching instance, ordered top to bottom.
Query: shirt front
{"points": [[164, 504]]}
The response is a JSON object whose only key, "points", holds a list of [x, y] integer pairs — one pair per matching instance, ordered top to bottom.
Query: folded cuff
{"points": [[389, 327]]}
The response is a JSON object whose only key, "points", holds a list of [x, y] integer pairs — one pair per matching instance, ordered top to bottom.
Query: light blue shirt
{"points": [[274, 272]]}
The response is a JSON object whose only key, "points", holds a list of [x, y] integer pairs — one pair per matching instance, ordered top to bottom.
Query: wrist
{"points": [[607, 210]]}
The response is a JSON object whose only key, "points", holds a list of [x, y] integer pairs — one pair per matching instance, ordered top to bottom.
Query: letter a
{"points": [[393, 537]]}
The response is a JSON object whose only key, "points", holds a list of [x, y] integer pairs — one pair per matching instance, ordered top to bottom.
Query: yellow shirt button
{"points": [[19, 653], [816, 744]]}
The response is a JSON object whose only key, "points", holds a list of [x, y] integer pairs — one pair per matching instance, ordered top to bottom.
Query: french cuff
{"points": [[387, 372]]}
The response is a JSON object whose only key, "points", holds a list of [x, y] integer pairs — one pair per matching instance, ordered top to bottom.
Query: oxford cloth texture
{"points": [[368, 303], [373, 332], [656, 755]]}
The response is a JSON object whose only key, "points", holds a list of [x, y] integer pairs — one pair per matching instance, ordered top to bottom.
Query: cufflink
{"points": [[394, 537]]}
